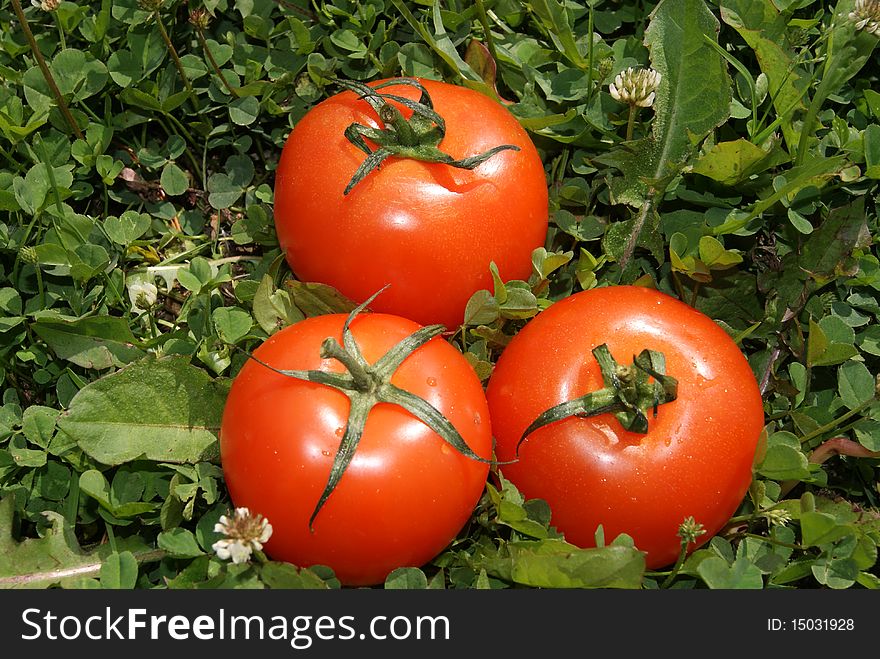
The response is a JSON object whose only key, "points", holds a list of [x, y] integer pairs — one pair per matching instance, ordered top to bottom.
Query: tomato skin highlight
{"points": [[429, 230], [696, 459], [406, 493]]}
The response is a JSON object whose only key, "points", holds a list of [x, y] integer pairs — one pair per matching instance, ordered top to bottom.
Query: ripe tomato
{"points": [[429, 230], [696, 457], [405, 494]]}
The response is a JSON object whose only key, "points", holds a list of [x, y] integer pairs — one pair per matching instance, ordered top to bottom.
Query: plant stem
{"points": [[484, 22], [61, 39], [173, 52], [213, 62], [44, 68], [631, 121], [362, 377], [831, 425], [773, 541], [682, 554]]}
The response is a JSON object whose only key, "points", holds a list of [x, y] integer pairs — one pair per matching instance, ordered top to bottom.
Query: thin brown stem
{"points": [[174, 55], [213, 62], [44, 68]]}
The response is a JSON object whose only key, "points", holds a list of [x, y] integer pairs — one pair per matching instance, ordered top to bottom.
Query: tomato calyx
{"points": [[417, 138], [366, 385], [629, 391]]}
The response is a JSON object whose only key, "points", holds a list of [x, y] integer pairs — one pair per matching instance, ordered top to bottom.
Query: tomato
{"points": [[429, 230], [697, 454], [406, 492]]}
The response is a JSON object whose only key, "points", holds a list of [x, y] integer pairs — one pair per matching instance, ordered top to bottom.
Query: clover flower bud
{"points": [[46, 5], [866, 16], [199, 18], [605, 66], [635, 87], [28, 255], [777, 517], [690, 530], [245, 534]]}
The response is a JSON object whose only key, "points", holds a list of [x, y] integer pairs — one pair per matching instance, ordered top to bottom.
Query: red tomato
{"points": [[429, 230], [696, 458], [406, 493]]}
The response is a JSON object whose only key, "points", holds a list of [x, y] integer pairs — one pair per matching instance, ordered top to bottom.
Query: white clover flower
{"points": [[46, 5], [866, 16], [635, 87], [143, 294], [777, 516], [245, 534]]}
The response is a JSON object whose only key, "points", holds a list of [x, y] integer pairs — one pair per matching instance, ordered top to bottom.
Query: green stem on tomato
{"points": [[417, 138], [629, 392]]}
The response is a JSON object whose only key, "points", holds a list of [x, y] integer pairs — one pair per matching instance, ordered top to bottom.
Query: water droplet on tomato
{"points": [[432, 382], [477, 419], [340, 431], [325, 453]]}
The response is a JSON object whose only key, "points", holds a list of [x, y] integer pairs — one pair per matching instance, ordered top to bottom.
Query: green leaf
{"points": [[556, 18], [764, 29], [124, 68], [78, 73], [138, 99], [692, 100], [244, 111], [871, 137], [731, 163], [815, 172], [174, 180], [223, 191], [126, 228], [829, 247], [316, 299], [482, 308], [274, 309], [232, 323], [95, 342], [825, 350], [855, 384], [109, 421], [38, 424], [868, 434], [784, 459], [94, 484], [818, 529], [179, 543], [55, 558], [558, 564], [119, 571], [718, 573], [837, 573], [285, 575], [406, 578]]}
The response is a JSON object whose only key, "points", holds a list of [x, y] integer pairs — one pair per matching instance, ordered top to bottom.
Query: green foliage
{"points": [[138, 261]]}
